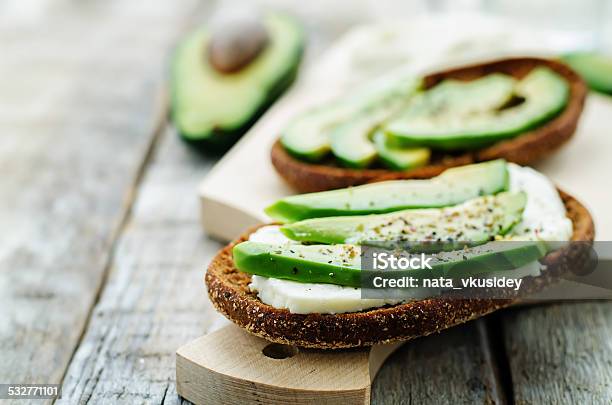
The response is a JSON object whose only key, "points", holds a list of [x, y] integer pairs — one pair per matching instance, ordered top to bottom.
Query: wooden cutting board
{"points": [[231, 366]]}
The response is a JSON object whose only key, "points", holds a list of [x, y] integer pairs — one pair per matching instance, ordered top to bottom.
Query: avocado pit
{"points": [[236, 43]]}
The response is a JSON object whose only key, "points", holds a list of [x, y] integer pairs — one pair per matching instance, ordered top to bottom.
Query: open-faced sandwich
{"points": [[517, 109], [300, 280]]}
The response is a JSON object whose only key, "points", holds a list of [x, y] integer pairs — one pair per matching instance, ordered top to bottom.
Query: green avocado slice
{"points": [[595, 68], [544, 94], [460, 98], [212, 109], [308, 136], [350, 141], [398, 158], [453, 186], [475, 221], [337, 264], [341, 264]]}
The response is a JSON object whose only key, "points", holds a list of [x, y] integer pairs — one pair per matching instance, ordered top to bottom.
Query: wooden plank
{"points": [[78, 85], [155, 299], [560, 353], [455, 366]]}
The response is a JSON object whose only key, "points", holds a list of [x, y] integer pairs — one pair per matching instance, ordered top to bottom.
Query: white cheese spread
{"points": [[544, 216]]}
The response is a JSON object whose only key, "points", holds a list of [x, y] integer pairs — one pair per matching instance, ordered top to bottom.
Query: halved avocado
{"points": [[595, 69], [542, 95], [212, 109]]}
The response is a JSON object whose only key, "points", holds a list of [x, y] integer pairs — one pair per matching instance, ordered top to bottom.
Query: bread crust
{"points": [[523, 149], [229, 293]]}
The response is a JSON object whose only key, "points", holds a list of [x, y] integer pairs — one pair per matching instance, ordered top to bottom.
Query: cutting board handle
{"points": [[231, 366]]}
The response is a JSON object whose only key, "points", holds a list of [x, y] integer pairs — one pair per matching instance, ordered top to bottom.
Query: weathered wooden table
{"points": [[102, 254]]}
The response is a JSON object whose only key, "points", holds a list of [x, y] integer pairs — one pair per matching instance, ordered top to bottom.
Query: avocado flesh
{"points": [[595, 69], [545, 94], [459, 97], [212, 109], [308, 136], [350, 142], [398, 158], [453, 186], [473, 222], [312, 264], [341, 264]]}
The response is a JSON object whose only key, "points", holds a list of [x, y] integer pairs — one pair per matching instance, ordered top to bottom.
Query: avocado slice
{"points": [[595, 69], [543, 94], [462, 98], [212, 109], [308, 135], [350, 141], [398, 158], [453, 186], [475, 221], [336, 264], [341, 264]]}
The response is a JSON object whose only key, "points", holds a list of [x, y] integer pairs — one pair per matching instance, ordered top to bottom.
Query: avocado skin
{"points": [[595, 69], [221, 139], [270, 261]]}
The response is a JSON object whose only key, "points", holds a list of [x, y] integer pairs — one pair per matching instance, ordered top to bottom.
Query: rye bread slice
{"points": [[523, 149], [228, 291]]}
